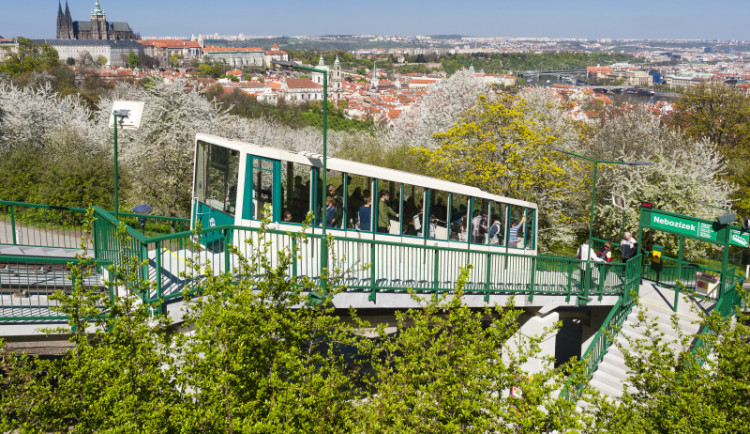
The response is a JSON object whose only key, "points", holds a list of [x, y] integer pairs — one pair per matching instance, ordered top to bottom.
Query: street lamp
{"points": [[290, 64], [126, 114], [596, 167]]}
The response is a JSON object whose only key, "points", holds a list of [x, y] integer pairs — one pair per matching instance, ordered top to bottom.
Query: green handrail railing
{"points": [[35, 225], [358, 265], [611, 325]]}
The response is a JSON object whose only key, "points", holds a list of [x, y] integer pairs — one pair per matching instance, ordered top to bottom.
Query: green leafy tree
{"points": [[28, 57], [101, 60], [133, 60], [175, 60], [721, 114], [499, 146], [452, 369], [116, 376]]}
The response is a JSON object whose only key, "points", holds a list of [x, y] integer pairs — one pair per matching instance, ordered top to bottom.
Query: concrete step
{"points": [[613, 368], [605, 386]]}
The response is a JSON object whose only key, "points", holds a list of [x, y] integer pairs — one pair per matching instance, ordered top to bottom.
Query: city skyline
{"points": [[638, 19]]}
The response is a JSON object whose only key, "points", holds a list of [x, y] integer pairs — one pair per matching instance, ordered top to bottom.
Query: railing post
{"points": [[13, 224], [294, 260], [227, 267], [435, 271], [533, 274], [488, 276], [373, 292], [159, 293], [146, 297]]}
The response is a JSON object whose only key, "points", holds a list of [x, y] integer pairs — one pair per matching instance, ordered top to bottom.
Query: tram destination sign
{"points": [[683, 226], [739, 238]]}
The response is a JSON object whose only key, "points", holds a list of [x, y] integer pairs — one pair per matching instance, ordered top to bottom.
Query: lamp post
{"points": [[290, 64], [126, 114], [596, 167]]}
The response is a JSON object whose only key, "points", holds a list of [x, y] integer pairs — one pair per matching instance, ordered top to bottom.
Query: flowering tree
{"points": [[437, 111], [500, 147], [684, 171]]}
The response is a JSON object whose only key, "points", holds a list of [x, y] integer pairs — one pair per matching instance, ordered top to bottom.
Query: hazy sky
{"points": [[689, 19]]}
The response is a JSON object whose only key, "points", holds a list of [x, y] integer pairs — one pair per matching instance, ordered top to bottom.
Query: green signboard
{"points": [[682, 226], [739, 238]]}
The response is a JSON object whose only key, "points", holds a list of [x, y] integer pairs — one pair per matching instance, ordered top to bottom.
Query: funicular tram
{"points": [[394, 212]]}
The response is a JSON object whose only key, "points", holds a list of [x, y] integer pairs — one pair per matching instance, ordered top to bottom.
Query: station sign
{"points": [[682, 226], [739, 238]]}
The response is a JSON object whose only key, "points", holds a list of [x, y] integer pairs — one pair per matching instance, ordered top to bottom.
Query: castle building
{"points": [[96, 29]]}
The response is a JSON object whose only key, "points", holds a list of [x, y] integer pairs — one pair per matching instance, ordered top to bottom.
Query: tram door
{"points": [[262, 187], [215, 191]]}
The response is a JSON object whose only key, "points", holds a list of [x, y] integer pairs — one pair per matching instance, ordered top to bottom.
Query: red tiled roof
{"points": [[170, 43], [230, 49], [301, 83]]}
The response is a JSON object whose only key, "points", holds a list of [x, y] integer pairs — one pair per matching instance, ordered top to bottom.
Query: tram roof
{"points": [[356, 168]]}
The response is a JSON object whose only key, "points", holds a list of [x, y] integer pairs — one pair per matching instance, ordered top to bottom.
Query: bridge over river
{"points": [[37, 243]]}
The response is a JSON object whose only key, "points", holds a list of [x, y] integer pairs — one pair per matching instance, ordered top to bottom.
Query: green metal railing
{"points": [[34, 225], [357, 265], [27, 284], [611, 325]]}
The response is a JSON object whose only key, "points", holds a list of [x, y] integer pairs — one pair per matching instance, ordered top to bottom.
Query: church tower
{"points": [[60, 22], [64, 22], [69, 22], [98, 23], [337, 85]]}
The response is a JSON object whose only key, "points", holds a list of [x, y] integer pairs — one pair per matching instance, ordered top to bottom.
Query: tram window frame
{"points": [[220, 160], [337, 180], [394, 192], [418, 195], [294, 196], [456, 202], [354, 204], [481, 206], [251, 208], [499, 211], [436, 215], [514, 217], [530, 229]]}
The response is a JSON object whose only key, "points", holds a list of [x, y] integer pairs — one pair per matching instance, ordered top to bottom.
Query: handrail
{"points": [[83, 210], [606, 334]]}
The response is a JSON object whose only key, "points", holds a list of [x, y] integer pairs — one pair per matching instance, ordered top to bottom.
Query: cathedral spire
{"points": [[97, 10]]}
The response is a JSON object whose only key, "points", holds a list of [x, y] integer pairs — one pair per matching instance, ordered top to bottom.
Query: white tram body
{"points": [[233, 181]]}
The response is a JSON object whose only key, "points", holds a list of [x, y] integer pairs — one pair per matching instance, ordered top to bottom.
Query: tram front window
{"points": [[216, 177]]}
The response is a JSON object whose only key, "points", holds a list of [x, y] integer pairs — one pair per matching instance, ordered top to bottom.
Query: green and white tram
{"points": [[233, 181]]}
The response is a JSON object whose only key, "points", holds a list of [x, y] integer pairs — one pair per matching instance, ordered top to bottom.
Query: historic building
{"points": [[96, 29]]}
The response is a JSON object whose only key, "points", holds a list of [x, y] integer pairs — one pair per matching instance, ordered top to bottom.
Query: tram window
{"points": [[216, 177], [262, 179], [295, 179], [359, 191], [388, 207], [413, 210], [333, 212], [438, 215], [459, 217], [480, 221], [530, 228], [516, 229], [497, 235]]}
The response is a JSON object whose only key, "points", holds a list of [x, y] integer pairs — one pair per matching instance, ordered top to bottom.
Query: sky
{"points": [[634, 19]]}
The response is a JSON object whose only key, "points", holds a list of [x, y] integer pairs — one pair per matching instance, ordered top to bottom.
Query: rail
{"points": [[62, 227], [357, 265], [611, 325]]}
